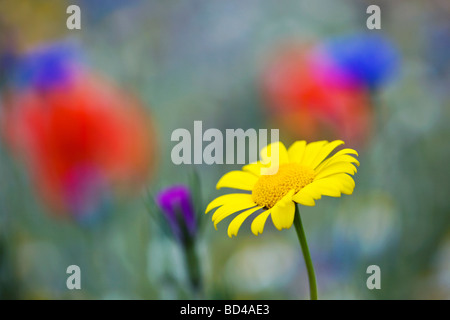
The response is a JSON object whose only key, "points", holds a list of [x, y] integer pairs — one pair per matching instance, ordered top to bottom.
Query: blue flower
{"points": [[369, 58], [47, 66]]}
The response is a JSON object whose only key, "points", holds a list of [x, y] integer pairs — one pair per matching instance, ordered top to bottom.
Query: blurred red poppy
{"points": [[312, 99], [80, 141]]}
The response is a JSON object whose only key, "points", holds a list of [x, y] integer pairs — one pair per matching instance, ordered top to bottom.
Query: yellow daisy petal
{"points": [[296, 151], [311, 151], [325, 151], [345, 151], [269, 154], [341, 155], [343, 158], [338, 167], [254, 168], [237, 180], [343, 181], [348, 184], [325, 188], [309, 192], [304, 198], [219, 201], [230, 208], [228, 211], [283, 212], [259, 222], [236, 223]]}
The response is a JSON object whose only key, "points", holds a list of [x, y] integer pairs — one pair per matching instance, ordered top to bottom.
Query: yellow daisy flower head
{"points": [[271, 187]]}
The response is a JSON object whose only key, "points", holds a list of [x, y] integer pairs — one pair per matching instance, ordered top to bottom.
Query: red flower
{"points": [[313, 99], [80, 141]]}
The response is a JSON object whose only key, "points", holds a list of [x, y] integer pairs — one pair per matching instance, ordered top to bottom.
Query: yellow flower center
{"points": [[269, 189]]}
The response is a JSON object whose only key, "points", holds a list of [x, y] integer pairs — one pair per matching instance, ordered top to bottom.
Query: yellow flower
{"points": [[304, 173]]}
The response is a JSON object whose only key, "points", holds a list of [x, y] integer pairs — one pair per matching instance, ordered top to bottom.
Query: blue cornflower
{"points": [[368, 58], [47, 66]]}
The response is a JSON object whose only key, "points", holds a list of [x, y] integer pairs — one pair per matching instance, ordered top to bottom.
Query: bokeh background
{"points": [[86, 119]]}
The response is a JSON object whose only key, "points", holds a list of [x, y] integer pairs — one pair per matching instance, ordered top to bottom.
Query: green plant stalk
{"points": [[304, 244], [193, 266]]}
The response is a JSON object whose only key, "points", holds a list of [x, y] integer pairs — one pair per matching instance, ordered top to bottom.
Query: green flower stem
{"points": [[304, 244], [193, 266]]}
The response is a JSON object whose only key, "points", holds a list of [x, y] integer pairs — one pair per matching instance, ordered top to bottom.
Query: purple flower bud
{"points": [[176, 203]]}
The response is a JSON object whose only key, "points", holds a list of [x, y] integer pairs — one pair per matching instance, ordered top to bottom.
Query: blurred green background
{"points": [[202, 60]]}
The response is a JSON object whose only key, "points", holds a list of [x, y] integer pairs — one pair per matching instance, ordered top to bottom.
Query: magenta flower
{"points": [[176, 204]]}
